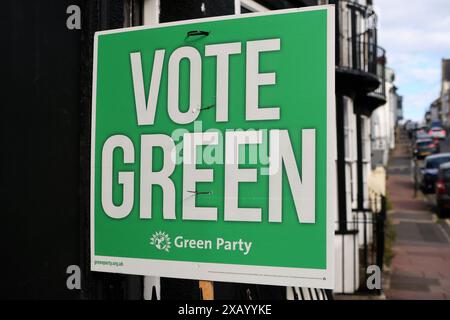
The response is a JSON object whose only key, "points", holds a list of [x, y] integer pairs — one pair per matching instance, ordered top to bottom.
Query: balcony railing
{"points": [[357, 40], [356, 44], [359, 53]]}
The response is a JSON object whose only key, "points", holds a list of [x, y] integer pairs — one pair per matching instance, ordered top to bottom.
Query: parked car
{"points": [[436, 123], [437, 132], [421, 134], [425, 147], [429, 172], [443, 190]]}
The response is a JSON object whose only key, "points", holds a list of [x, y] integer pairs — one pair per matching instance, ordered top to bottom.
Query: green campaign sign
{"points": [[213, 149]]}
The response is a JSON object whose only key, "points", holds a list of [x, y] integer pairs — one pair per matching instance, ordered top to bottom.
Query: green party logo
{"points": [[161, 241]]}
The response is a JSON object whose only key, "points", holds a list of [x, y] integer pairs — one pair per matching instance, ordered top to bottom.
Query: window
{"points": [[132, 13]]}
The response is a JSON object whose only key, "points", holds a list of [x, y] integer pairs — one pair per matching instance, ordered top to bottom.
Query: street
{"points": [[420, 268]]}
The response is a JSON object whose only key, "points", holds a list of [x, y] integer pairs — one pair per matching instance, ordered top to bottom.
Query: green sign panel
{"points": [[213, 149]]}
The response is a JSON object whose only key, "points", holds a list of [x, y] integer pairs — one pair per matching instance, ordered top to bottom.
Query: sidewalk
{"points": [[420, 268]]}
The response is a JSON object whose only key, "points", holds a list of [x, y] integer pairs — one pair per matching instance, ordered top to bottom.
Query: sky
{"points": [[416, 36]]}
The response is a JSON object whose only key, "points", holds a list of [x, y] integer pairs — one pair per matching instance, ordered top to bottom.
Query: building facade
{"points": [[445, 92], [439, 110], [384, 121]]}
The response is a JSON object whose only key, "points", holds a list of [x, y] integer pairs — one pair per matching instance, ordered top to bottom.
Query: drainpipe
{"points": [[340, 134], [359, 162], [360, 176]]}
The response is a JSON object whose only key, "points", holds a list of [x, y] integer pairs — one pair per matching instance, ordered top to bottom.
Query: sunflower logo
{"points": [[161, 241]]}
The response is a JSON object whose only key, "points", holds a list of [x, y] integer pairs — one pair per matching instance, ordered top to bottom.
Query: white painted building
{"points": [[445, 92], [383, 124]]}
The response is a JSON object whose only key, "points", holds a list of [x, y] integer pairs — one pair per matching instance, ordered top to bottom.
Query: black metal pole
{"points": [[337, 30], [353, 39], [340, 134], [359, 161], [360, 179], [381, 218]]}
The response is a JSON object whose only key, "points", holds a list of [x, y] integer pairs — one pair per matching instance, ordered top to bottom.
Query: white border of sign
{"points": [[230, 272]]}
